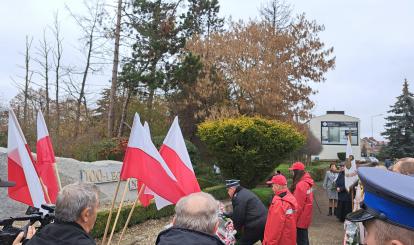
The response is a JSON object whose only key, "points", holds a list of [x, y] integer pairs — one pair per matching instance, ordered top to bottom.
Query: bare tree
{"points": [[277, 13], [89, 26], [44, 50], [57, 56], [28, 76], [125, 104], [111, 112]]}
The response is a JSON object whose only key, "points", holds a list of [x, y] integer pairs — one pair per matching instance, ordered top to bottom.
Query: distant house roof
{"points": [[339, 113]]}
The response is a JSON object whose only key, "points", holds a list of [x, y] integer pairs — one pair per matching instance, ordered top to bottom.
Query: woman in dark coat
{"points": [[344, 198]]}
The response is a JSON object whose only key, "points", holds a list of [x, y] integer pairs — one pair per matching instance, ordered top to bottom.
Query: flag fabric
{"points": [[175, 154], [46, 159], [143, 162], [351, 175], [28, 188], [145, 197], [159, 201]]}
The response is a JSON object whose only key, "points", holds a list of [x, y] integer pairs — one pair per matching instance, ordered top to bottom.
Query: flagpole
{"points": [[57, 175], [45, 190], [119, 211], [130, 213], [108, 221]]}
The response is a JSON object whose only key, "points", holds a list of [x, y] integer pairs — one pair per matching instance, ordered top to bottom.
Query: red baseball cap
{"points": [[297, 166], [278, 180]]}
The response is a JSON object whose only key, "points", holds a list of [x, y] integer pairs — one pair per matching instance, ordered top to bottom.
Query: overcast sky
{"points": [[373, 43]]}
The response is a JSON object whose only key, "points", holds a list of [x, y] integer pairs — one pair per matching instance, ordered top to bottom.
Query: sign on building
{"points": [[336, 132]]}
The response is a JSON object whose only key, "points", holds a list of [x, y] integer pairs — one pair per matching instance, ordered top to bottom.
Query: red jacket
{"points": [[304, 197], [281, 220]]}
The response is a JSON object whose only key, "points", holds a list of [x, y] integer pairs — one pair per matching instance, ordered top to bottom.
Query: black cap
{"points": [[6, 183], [388, 196]]}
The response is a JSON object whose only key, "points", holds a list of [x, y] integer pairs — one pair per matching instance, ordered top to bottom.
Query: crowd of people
{"points": [[348, 203], [387, 211]]}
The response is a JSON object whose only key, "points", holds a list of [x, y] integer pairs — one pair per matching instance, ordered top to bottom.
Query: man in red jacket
{"points": [[302, 191], [281, 218]]}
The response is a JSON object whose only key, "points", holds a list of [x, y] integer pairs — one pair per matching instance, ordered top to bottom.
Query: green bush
{"points": [[191, 148], [249, 148], [114, 149], [341, 156], [205, 183], [265, 194], [142, 214]]}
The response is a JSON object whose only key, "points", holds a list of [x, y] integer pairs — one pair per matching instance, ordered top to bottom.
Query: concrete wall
{"points": [[330, 151]]}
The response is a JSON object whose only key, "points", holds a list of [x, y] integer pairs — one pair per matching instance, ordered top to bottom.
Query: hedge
{"points": [[249, 148], [317, 172], [264, 194], [142, 214]]}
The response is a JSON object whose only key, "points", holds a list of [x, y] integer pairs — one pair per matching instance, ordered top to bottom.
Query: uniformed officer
{"points": [[388, 210], [249, 213]]}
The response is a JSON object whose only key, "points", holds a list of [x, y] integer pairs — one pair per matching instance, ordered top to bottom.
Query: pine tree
{"points": [[399, 129]]}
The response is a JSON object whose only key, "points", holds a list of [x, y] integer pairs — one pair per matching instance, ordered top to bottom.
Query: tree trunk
{"points": [[57, 58], [26, 84], [82, 91], [111, 112], [124, 113]]}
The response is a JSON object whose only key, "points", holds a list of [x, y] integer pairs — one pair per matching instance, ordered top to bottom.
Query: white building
{"points": [[332, 130]]}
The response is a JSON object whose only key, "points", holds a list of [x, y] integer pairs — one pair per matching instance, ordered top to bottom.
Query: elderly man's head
{"points": [[404, 166], [78, 203], [197, 211]]}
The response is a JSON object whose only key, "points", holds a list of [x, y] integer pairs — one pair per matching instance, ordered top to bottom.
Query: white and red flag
{"points": [[175, 154], [143, 162], [45, 164], [28, 188], [148, 193], [147, 196]]}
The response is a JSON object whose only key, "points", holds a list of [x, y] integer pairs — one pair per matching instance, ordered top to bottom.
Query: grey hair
{"points": [[73, 199], [197, 211]]}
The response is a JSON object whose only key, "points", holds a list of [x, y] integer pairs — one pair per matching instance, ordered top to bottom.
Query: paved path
{"points": [[325, 230]]}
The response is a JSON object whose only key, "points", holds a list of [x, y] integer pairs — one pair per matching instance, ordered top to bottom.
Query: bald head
{"points": [[404, 166], [197, 211]]}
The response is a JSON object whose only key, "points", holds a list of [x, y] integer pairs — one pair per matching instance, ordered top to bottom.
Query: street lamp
{"points": [[372, 123]]}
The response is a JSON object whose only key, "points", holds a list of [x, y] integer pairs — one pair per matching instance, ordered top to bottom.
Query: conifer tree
{"points": [[399, 129]]}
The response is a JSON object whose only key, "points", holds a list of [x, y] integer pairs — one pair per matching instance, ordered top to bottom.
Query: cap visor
{"points": [[291, 168], [269, 182], [360, 216]]}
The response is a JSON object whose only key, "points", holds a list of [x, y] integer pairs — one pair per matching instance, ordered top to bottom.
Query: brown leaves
{"points": [[266, 72]]}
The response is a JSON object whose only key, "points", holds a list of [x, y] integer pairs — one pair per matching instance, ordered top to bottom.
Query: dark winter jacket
{"points": [[343, 195], [248, 210], [61, 234], [178, 236]]}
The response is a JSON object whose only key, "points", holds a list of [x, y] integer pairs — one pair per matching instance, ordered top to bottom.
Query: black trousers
{"points": [[250, 236], [302, 236]]}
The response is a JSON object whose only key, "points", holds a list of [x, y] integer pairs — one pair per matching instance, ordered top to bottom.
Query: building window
{"points": [[336, 133]]}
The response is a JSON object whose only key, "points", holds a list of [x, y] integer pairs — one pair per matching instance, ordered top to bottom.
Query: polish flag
{"points": [[175, 154], [143, 162], [45, 164], [28, 188], [145, 197], [159, 201]]}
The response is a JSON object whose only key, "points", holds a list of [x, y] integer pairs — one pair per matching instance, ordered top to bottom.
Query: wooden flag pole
{"points": [[57, 176], [45, 191], [119, 211], [130, 213], [108, 221]]}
